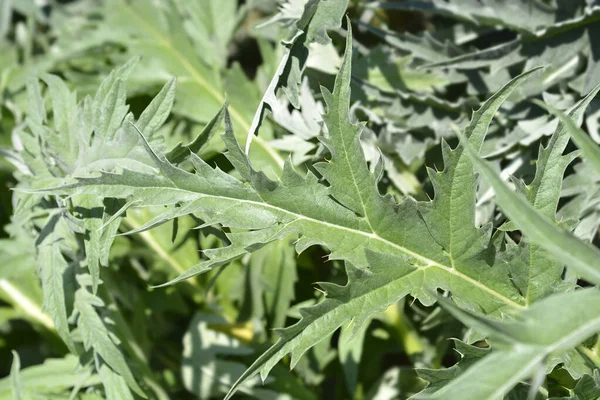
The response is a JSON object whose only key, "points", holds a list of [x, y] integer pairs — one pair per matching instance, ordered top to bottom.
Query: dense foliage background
{"points": [[81, 315]]}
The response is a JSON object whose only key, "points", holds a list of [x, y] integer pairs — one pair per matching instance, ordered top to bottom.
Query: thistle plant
{"points": [[417, 217]]}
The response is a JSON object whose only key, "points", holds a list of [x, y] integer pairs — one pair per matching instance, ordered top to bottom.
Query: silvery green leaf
{"points": [[557, 323], [95, 335]]}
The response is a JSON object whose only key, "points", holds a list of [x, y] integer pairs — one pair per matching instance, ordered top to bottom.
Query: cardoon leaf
{"points": [[589, 148], [105, 212], [405, 249], [582, 257], [52, 268], [535, 271], [557, 323], [95, 336]]}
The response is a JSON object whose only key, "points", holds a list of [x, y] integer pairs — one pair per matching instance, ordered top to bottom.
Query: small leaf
{"points": [[155, 115], [589, 148], [180, 151], [51, 269], [95, 335], [350, 347], [15, 378]]}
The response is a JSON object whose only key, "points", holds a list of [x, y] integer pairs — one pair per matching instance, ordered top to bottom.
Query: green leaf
{"points": [[521, 14], [328, 15], [211, 26], [423, 47], [173, 48], [502, 55], [63, 105], [37, 110], [157, 112], [589, 148], [180, 151], [84, 164], [91, 211], [450, 216], [359, 226], [345, 233], [390, 250], [574, 253], [52, 267], [275, 270], [534, 271], [557, 323], [95, 335], [350, 347], [204, 371], [53, 375], [15, 378], [438, 378], [485, 380], [114, 385], [588, 387]]}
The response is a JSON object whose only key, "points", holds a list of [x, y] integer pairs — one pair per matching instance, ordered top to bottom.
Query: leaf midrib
{"points": [[427, 262], [451, 269], [27, 304], [554, 346], [509, 384]]}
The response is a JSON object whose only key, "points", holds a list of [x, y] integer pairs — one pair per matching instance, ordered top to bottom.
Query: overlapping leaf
{"points": [[81, 167], [408, 248], [555, 324]]}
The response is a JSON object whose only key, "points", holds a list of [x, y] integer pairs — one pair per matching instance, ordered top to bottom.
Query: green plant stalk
{"points": [[163, 253], [20, 300], [404, 331], [591, 354]]}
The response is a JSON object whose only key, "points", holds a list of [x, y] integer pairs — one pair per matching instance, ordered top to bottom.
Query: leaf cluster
{"points": [[174, 200]]}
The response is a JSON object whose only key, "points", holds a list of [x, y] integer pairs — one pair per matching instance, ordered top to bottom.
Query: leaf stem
{"points": [[163, 253], [27, 305], [404, 331], [590, 354]]}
